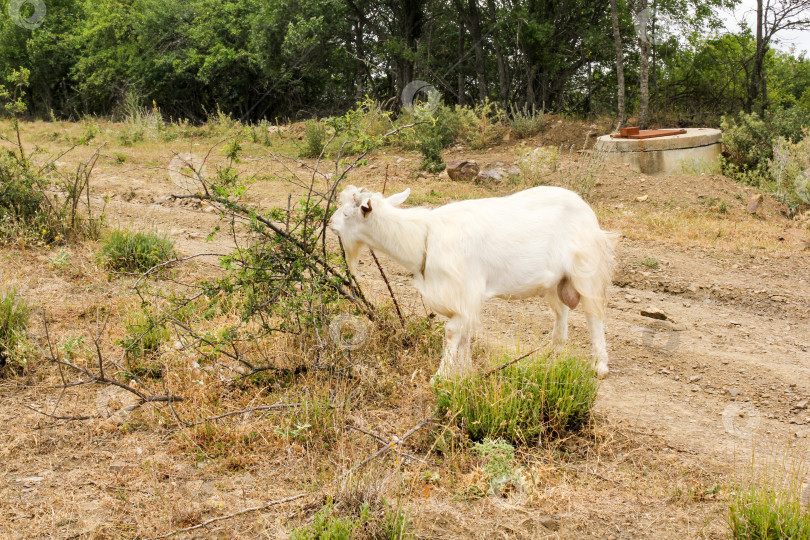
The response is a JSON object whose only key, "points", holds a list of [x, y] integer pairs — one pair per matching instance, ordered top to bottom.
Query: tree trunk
{"points": [[472, 19], [617, 38], [460, 66], [644, 78], [503, 82], [756, 97]]}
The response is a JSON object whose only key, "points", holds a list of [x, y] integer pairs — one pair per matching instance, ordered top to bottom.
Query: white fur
{"points": [[464, 253]]}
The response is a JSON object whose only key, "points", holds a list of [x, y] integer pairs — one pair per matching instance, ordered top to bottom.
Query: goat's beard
{"points": [[352, 251]]}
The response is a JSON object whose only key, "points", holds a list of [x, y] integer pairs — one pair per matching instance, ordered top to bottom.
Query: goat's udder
{"points": [[567, 293]]}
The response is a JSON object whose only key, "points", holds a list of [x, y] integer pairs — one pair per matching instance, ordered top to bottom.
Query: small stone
{"points": [[400, 160], [491, 176], [642, 198], [654, 313], [178, 345], [695, 378], [695, 388], [733, 392], [800, 405], [802, 434]]}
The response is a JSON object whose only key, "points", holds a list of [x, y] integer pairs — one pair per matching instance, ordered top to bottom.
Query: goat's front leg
{"points": [[559, 334], [457, 359]]}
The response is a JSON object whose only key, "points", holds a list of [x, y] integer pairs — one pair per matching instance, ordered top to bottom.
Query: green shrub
{"points": [[526, 123], [314, 139], [749, 142], [127, 251], [13, 332], [548, 395], [758, 513]]}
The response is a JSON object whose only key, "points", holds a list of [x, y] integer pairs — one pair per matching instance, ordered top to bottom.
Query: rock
{"points": [[276, 129], [400, 160], [462, 170], [513, 171], [491, 176], [642, 198], [754, 202], [654, 313], [178, 345], [695, 378], [733, 392], [800, 405], [802, 434], [118, 467]]}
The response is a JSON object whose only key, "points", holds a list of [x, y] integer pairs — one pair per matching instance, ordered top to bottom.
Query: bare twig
{"points": [[390, 290], [509, 363], [235, 514]]}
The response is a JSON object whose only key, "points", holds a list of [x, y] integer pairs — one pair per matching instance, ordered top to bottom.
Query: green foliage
{"points": [[526, 122], [314, 139], [771, 154], [126, 251], [145, 332], [14, 344], [546, 396], [499, 464], [757, 513], [388, 523]]}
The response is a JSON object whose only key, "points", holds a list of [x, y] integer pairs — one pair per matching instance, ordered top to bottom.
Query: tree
{"points": [[772, 17], [617, 37]]}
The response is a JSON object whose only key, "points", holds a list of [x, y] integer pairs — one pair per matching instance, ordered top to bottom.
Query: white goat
{"points": [[543, 241]]}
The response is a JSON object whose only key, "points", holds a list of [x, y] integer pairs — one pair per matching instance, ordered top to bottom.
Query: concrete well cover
{"points": [[695, 151]]}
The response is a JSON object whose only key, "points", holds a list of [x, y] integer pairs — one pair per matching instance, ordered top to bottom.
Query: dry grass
{"points": [[158, 468]]}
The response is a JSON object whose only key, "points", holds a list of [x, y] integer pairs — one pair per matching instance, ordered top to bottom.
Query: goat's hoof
{"points": [[601, 371]]}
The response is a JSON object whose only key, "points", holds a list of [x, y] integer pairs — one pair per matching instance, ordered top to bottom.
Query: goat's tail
{"points": [[592, 271]]}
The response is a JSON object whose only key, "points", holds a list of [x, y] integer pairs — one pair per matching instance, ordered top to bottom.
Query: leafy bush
{"points": [[526, 123], [314, 139], [749, 142], [36, 204], [127, 251], [13, 332], [549, 395], [767, 514]]}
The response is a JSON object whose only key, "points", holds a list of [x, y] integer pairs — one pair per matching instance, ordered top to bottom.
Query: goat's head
{"points": [[352, 219]]}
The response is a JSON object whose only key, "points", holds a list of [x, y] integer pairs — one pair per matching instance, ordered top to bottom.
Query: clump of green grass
{"points": [[127, 251], [650, 262], [13, 332], [142, 343], [546, 396], [758, 513], [389, 523]]}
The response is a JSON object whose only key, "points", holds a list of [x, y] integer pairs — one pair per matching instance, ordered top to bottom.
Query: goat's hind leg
{"points": [[594, 316]]}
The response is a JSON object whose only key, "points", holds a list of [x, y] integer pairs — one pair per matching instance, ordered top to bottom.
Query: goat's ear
{"points": [[399, 198], [366, 207]]}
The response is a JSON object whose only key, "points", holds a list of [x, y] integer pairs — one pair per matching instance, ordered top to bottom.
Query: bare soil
{"points": [[686, 405]]}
